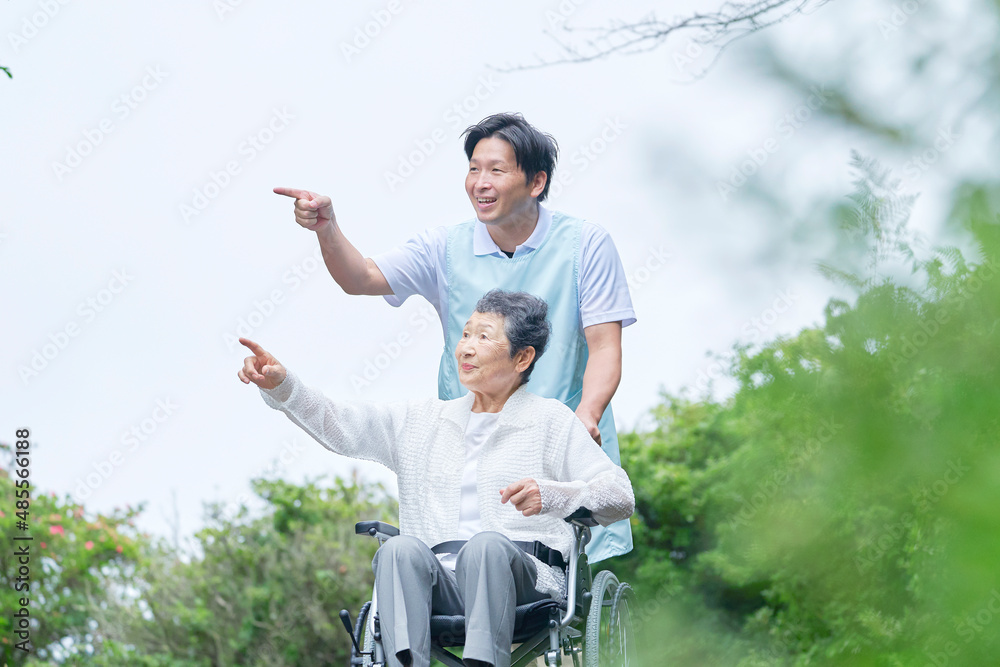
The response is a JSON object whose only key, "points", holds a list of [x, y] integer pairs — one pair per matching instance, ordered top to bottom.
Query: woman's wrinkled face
{"points": [[483, 354]]}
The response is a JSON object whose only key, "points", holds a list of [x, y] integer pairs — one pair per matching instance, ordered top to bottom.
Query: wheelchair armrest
{"points": [[582, 517], [375, 529]]}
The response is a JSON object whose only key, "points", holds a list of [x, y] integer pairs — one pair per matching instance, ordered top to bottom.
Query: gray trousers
{"points": [[492, 576]]}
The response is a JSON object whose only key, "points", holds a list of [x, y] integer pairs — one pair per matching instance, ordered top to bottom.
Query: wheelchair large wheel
{"points": [[622, 634], [363, 637], [609, 640]]}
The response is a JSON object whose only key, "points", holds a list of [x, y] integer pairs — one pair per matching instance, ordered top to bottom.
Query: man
{"points": [[516, 244]]}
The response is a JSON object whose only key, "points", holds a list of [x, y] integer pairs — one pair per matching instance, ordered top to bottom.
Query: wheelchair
{"points": [[592, 625]]}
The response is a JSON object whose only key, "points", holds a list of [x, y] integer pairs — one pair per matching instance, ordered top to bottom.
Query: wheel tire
{"points": [[363, 637], [597, 637], [623, 640]]}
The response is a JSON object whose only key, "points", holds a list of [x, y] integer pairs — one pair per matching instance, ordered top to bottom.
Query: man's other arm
{"points": [[605, 309], [602, 374]]}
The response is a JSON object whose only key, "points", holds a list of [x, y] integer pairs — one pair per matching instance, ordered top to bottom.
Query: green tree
{"points": [[839, 508], [69, 552], [262, 590]]}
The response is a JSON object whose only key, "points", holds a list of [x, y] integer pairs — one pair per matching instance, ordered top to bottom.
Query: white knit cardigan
{"points": [[423, 442]]}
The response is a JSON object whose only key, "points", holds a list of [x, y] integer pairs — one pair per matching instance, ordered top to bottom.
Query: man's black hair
{"points": [[534, 150]]}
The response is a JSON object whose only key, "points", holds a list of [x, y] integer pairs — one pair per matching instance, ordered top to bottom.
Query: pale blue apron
{"points": [[551, 272]]}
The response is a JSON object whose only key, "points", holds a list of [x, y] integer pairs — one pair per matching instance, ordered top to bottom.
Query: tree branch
{"points": [[718, 29]]}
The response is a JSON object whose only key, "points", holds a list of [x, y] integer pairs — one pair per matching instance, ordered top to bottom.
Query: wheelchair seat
{"points": [[528, 620]]}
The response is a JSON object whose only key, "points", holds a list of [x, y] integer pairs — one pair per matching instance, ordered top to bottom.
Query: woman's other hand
{"points": [[524, 495]]}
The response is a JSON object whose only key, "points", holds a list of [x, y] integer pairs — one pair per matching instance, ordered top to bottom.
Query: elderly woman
{"points": [[496, 466]]}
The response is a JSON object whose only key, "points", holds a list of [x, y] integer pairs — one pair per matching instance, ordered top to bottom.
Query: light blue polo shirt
{"points": [[418, 268]]}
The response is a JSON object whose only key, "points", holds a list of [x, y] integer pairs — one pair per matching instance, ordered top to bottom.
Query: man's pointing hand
{"points": [[312, 211]]}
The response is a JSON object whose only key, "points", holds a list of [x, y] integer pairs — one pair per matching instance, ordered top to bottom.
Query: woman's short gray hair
{"points": [[524, 321]]}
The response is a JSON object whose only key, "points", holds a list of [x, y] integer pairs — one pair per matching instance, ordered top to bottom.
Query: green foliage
{"points": [[840, 508], [68, 554], [262, 591]]}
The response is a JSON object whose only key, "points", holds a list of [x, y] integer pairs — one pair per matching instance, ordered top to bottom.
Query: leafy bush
{"points": [[840, 507], [69, 553], [261, 591]]}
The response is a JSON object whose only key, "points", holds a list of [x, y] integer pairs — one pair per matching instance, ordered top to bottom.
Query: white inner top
{"points": [[481, 426]]}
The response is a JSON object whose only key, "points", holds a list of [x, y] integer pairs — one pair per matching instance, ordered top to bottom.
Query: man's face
{"points": [[496, 185]]}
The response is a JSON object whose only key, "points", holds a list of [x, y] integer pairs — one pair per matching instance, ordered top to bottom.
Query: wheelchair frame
{"points": [[601, 634]]}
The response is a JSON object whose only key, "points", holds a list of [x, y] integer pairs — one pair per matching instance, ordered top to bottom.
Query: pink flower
{"points": [[2, 514], [56, 529], [43, 545], [88, 545], [119, 548]]}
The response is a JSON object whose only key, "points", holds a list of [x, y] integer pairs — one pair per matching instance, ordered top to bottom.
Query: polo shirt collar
{"points": [[483, 243]]}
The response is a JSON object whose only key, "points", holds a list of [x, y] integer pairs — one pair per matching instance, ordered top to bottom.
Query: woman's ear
{"points": [[523, 359]]}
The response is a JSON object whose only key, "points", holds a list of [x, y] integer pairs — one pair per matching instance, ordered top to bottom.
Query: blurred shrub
{"points": [[841, 507]]}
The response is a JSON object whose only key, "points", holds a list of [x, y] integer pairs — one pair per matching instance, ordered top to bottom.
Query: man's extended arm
{"points": [[354, 273], [602, 374]]}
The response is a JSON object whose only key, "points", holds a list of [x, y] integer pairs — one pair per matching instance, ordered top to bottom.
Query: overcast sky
{"points": [[140, 236]]}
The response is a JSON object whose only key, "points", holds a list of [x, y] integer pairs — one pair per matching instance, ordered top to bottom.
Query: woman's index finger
{"points": [[254, 347]]}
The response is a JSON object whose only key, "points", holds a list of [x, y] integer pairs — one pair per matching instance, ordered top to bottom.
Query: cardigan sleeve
{"points": [[369, 431], [587, 478]]}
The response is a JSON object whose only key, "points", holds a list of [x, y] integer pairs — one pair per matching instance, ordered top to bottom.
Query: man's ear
{"points": [[538, 183], [524, 358]]}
